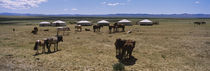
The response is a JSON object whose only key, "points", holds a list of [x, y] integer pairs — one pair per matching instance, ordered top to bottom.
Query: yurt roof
{"points": [[124, 20], [146, 20], [59, 21], [83, 21], [103, 21], [44, 22]]}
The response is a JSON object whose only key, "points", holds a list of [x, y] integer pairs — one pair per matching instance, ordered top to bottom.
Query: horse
{"points": [[198, 23], [120, 26], [78, 27], [112, 27], [97, 28], [63, 29], [35, 30], [53, 40], [40, 43], [118, 45], [124, 48], [128, 48]]}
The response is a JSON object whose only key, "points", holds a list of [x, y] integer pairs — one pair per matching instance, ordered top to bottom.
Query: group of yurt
{"points": [[145, 22]]}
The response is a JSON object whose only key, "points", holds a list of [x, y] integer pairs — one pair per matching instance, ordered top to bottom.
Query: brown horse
{"points": [[121, 26], [78, 27], [115, 27], [97, 28], [35, 30], [55, 41], [40, 43], [124, 48], [128, 48]]}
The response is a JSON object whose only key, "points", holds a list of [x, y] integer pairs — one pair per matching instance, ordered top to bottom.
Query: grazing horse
{"points": [[78, 27], [97, 28], [63, 29], [35, 30], [55, 41], [40, 43], [124, 48]]}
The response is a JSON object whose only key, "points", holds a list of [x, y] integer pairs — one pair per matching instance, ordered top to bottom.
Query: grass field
{"points": [[173, 45]]}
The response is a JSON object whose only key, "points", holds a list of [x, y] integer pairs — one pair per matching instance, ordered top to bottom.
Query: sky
{"points": [[105, 6]]}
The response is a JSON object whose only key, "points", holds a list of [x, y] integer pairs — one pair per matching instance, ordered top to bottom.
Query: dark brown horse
{"points": [[199, 23], [120, 26], [115, 27], [97, 28], [35, 30], [118, 45], [124, 48]]}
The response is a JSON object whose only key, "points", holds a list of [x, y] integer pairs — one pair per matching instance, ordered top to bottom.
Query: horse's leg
{"points": [[57, 46], [54, 47], [43, 48], [49, 48], [37, 52]]}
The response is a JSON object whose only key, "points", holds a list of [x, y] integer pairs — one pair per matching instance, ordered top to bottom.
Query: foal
{"points": [[40, 43]]}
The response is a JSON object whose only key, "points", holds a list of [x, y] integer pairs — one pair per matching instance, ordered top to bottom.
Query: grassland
{"points": [[173, 45]]}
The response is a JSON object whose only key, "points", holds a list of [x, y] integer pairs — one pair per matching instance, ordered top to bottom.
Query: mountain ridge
{"points": [[185, 15]]}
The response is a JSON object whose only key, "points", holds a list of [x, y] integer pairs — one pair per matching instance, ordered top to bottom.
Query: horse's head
{"points": [[60, 38]]}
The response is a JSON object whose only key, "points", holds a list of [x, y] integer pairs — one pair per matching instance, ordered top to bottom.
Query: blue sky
{"points": [[106, 6]]}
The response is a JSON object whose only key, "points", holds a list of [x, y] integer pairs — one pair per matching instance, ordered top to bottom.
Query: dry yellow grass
{"points": [[169, 46]]}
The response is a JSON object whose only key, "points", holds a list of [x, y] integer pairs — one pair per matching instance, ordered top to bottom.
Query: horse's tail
{"points": [[36, 45]]}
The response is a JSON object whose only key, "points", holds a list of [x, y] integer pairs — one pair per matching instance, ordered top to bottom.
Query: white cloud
{"points": [[128, 0], [197, 2], [20, 4], [112, 4], [66, 9], [74, 9]]}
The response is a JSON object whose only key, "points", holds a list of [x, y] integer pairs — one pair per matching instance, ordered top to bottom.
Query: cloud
{"points": [[197, 2], [20, 4], [112, 4], [66, 9], [74, 9]]}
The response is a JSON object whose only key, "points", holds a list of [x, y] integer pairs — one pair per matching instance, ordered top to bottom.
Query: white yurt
{"points": [[103, 22], [125, 22], [146, 22], [59, 23], [84, 23], [44, 24]]}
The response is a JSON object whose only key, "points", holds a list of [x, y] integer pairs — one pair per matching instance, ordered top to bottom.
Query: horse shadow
{"points": [[46, 53], [127, 61]]}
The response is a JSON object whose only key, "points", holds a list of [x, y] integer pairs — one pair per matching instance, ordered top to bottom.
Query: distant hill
{"points": [[118, 15]]}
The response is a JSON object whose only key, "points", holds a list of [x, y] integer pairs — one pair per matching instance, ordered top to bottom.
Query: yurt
{"points": [[103, 22], [125, 22], [146, 22], [59, 23], [84, 23], [44, 24]]}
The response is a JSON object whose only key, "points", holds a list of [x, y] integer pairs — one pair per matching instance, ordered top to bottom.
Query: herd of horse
{"points": [[124, 48]]}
